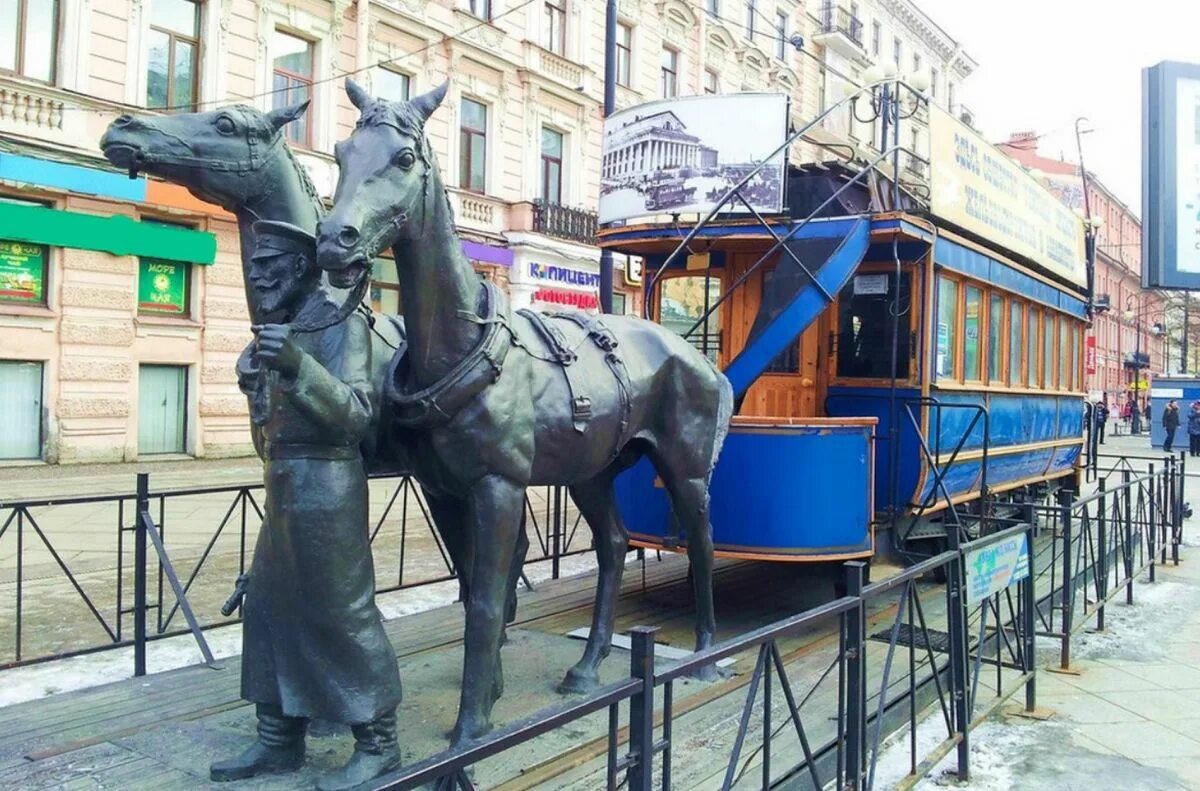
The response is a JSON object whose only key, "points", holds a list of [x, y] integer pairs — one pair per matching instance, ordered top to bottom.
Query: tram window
{"points": [[682, 304], [971, 322], [865, 324], [947, 327], [995, 336], [1031, 347], [1048, 352], [1076, 352], [1065, 353], [788, 361], [1015, 376]]}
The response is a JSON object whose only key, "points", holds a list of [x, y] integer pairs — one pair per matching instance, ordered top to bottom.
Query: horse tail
{"points": [[724, 416]]}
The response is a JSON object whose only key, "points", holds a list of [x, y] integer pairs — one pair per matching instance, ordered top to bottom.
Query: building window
{"points": [[714, 8], [481, 9], [751, 12], [781, 25], [556, 26], [876, 37], [29, 38], [897, 50], [174, 53], [624, 53], [916, 62], [670, 73], [933, 80], [710, 81], [292, 83], [392, 85], [950, 96], [473, 146], [552, 158], [23, 273], [164, 287], [385, 288], [619, 303], [865, 324], [947, 327], [20, 409], [162, 409]]}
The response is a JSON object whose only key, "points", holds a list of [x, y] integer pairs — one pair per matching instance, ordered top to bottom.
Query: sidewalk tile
{"points": [[1104, 678], [1158, 705], [1084, 708], [1139, 741]]}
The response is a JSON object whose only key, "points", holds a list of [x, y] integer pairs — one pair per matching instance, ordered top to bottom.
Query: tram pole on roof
{"points": [[610, 100]]}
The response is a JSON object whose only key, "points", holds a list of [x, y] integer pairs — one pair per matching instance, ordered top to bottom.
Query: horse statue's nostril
{"points": [[122, 121], [348, 236]]}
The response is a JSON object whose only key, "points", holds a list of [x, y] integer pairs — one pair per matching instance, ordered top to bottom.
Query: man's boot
{"points": [[278, 749], [375, 753]]}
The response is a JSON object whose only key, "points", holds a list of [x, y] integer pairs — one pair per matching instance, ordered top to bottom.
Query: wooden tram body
{"points": [[827, 448]]}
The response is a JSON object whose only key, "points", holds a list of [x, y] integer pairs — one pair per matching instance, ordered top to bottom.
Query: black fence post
{"points": [[1126, 478], [1065, 500], [1152, 520], [1177, 531], [556, 539], [1100, 573], [139, 574], [1029, 621], [959, 660], [856, 682], [641, 709]]}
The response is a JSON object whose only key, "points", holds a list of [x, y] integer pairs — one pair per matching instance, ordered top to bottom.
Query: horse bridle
{"points": [[252, 164]]}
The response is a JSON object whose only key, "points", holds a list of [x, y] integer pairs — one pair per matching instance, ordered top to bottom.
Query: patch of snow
{"points": [[1137, 631]]}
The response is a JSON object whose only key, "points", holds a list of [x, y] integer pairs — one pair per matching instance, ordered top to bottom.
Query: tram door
{"points": [[794, 384]]}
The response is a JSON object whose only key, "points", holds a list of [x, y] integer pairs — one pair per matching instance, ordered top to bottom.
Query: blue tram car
{"points": [[899, 362]]}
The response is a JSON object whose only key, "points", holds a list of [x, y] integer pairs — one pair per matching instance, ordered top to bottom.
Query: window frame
{"points": [[474, 6], [714, 8], [751, 12], [781, 25], [172, 37], [876, 37], [555, 39], [897, 50], [19, 64], [624, 65], [673, 71], [296, 79], [408, 80], [711, 81], [466, 136], [546, 160], [717, 275], [916, 286], [964, 291], [17, 305], [999, 321], [953, 335], [41, 403]]}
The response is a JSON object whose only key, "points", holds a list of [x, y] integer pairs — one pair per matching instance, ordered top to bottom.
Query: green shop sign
{"points": [[119, 235], [22, 272], [162, 287]]}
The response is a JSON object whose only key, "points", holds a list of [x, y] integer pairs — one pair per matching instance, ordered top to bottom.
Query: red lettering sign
{"points": [[575, 299], [1091, 354]]}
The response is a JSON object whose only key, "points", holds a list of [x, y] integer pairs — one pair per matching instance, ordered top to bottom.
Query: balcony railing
{"points": [[835, 19], [563, 222]]}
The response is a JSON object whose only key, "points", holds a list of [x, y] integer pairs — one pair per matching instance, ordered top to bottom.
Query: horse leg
{"points": [[596, 501], [689, 501], [495, 506], [450, 518], [514, 573]]}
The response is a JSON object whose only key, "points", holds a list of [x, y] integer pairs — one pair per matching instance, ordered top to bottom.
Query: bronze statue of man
{"points": [[314, 645]]}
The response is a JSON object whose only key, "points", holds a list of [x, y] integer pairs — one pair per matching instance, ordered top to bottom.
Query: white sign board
{"points": [[680, 156], [1187, 174], [870, 284], [992, 568]]}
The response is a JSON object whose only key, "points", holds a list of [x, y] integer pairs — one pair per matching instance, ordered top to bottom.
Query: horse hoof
{"points": [[707, 673], [577, 682], [465, 733]]}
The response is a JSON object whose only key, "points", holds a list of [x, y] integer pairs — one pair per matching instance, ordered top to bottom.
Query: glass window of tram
{"points": [[683, 301], [972, 318], [1015, 320], [866, 321], [947, 327], [995, 336], [1031, 344], [1048, 352], [1064, 355], [788, 361]]}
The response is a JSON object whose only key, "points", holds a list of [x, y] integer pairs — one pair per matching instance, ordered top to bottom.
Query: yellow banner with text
{"points": [[975, 186]]}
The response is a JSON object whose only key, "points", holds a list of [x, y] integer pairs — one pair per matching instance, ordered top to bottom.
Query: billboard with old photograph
{"points": [[680, 156], [1171, 176]]}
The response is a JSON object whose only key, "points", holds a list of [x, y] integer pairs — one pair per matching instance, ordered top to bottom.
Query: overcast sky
{"points": [[1043, 63]]}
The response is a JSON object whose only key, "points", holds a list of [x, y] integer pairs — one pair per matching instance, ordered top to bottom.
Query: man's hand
{"points": [[274, 348]]}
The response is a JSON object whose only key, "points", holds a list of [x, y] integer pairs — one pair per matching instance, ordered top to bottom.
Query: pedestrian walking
{"points": [[1101, 418], [1170, 422], [1193, 427]]}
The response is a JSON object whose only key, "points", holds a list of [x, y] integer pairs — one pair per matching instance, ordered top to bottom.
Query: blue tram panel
{"points": [[812, 500]]}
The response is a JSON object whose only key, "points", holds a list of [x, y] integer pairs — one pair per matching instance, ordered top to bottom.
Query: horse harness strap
{"points": [[437, 404]]}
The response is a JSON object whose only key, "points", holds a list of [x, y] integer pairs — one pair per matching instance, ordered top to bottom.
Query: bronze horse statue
{"points": [[237, 158], [494, 401]]}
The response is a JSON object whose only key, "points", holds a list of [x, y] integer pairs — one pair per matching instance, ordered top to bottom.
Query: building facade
{"points": [[1126, 343]]}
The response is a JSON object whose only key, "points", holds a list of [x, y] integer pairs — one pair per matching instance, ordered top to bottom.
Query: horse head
{"points": [[220, 155], [387, 177]]}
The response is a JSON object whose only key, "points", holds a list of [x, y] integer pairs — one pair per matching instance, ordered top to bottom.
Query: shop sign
{"points": [[633, 269], [22, 272], [564, 275], [162, 287], [574, 299], [1091, 354], [992, 568]]}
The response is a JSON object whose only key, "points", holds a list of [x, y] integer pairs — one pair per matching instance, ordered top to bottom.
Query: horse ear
{"points": [[358, 97], [426, 103], [285, 115]]}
